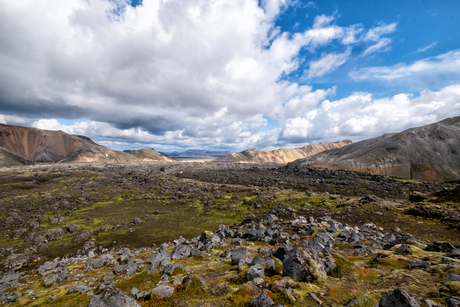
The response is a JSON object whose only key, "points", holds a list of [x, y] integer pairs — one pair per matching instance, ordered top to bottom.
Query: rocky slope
{"points": [[23, 145], [428, 153], [281, 155]]}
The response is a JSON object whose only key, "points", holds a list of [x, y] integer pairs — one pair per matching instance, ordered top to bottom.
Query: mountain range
{"points": [[23, 145], [427, 153], [281, 155]]}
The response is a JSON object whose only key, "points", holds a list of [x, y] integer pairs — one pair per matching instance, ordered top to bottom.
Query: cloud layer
{"points": [[194, 73]]}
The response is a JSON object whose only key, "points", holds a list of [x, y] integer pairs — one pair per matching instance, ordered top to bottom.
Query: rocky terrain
{"points": [[25, 146], [198, 153], [428, 153], [281, 155], [225, 234]]}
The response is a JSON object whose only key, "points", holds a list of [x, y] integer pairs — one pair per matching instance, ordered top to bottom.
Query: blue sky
{"points": [[228, 74]]}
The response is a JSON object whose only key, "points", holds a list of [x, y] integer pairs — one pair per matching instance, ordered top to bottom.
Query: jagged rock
{"points": [[54, 234], [440, 247], [282, 251], [180, 252], [197, 253], [240, 254], [161, 258], [16, 261], [95, 263], [300, 265], [423, 265], [129, 269], [169, 269], [255, 271], [9, 276], [58, 277], [281, 284], [82, 289], [163, 291], [8, 297], [112, 298], [399, 298], [263, 300], [453, 302]]}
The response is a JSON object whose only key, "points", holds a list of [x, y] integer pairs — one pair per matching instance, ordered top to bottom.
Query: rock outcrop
{"points": [[427, 153], [281, 155]]}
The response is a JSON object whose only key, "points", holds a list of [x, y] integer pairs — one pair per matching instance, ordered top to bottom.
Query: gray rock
{"points": [[54, 234], [180, 252], [197, 253], [240, 253], [161, 258], [96, 263], [422, 265], [128, 269], [169, 269], [255, 271], [10, 276], [281, 284], [80, 289], [163, 291], [8, 297], [112, 298], [399, 298], [263, 300], [453, 302]]}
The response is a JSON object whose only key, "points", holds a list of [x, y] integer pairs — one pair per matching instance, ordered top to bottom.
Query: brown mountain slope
{"points": [[22, 145], [428, 153], [281, 155]]}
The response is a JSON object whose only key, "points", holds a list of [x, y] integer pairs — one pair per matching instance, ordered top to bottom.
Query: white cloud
{"points": [[375, 33], [381, 46], [423, 49], [327, 63], [447, 63], [165, 66], [361, 116]]}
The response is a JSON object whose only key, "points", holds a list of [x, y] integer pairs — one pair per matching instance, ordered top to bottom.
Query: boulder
{"points": [[180, 252], [240, 254], [255, 271], [281, 284], [80, 289], [163, 291], [112, 298], [399, 298], [263, 300]]}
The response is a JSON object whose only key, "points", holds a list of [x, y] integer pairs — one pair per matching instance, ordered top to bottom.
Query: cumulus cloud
{"points": [[197, 68], [182, 74], [364, 116]]}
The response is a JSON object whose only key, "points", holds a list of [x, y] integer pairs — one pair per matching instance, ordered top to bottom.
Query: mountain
{"points": [[23, 145], [198, 153], [429, 153], [281, 155]]}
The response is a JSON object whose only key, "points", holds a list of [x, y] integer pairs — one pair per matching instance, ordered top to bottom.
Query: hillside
{"points": [[25, 146], [428, 153], [281, 155]]}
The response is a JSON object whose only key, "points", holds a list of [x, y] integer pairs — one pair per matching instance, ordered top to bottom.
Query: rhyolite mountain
{"points": [[23, 145], [427, 153], [281, 155]]}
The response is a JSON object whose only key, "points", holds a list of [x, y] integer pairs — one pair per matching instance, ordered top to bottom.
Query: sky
{"points": [[228, 74]]}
